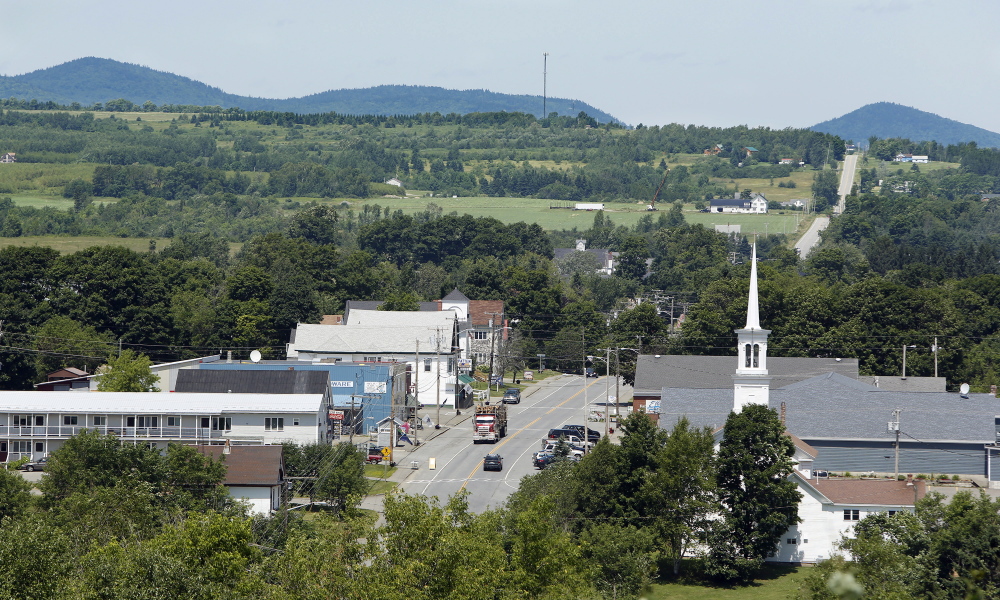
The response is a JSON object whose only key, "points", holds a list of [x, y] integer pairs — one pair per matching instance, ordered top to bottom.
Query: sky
{"points": [[774, 63]]}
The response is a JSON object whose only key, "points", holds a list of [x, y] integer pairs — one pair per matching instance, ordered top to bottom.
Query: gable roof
{"points": [[456, 296], [481, 311], [384, 319], [340, 339], [682, 371], [246, 381], [831, 406], [246, 466], [866, 492]]}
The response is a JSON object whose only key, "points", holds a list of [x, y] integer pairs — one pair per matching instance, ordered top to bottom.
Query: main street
{"points": [[548, 404]]}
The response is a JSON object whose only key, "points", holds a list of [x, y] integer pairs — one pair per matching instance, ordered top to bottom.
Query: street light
{"points": [[904, 358]]}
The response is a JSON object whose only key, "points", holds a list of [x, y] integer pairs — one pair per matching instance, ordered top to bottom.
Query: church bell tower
{"points": [[751, 383]]}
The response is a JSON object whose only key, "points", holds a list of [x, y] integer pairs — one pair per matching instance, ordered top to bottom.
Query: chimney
{"points": [[229, 356], [993, 391], [783, 406], [227, 449], [909, 479]]}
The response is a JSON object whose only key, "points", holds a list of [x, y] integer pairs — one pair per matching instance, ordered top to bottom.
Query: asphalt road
{"points": [[846, 180], [555, 402]]}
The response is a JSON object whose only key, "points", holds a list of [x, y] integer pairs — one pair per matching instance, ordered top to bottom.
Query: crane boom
{"points": [[652, 205]]}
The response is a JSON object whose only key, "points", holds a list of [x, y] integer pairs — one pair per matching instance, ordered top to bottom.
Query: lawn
{"points": [[66, 245], [778, 583]]}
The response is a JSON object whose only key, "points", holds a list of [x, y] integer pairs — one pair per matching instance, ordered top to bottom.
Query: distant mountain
{"points": [[92, 80], [889, 120]]}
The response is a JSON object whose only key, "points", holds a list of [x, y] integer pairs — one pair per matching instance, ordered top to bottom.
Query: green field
{"points": [[531, 210], [66, 245], [778, 583]]}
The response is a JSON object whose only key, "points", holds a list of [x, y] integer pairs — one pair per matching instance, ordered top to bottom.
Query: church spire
{"points": [[753, 313]]}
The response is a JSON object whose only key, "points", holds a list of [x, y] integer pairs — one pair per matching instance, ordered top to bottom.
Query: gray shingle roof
{"points": [[713, 372], [252, 381], [831, 406]]}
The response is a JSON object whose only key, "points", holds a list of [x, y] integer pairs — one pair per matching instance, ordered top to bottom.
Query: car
{"points": [[591, 372], [511, 396], [572, 436], [592, 436], [550, 448], [542, 459], [493, 462], [35, 465]]}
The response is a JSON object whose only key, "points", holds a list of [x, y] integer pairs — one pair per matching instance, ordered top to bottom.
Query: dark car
{"points": [[591, 372], [512, 396], [592, 436], [542, 459], [493, 462], [35, 465]]}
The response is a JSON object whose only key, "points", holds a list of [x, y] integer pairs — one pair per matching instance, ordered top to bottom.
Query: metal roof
{"points": [[334, 339], [714, 372], [252, 381], [151, 403]]}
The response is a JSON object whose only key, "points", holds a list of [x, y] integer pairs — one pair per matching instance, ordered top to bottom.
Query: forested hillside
{"points": [[94, 81], [890, 120], [304, 198]]}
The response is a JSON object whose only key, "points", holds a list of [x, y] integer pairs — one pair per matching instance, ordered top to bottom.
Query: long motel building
{"points": [[36, 424]]}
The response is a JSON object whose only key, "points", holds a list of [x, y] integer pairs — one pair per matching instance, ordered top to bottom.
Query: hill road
{"points": [[811, 237]]}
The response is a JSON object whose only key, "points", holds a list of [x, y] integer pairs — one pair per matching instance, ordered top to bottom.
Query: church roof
{"points": [[456, 296], [706, 372]]}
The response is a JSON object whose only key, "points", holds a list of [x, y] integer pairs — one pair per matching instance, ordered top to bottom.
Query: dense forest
{"points": [[914, 257]]}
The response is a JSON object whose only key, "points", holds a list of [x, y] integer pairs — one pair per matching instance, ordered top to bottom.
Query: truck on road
{"points": [[489, 423]]}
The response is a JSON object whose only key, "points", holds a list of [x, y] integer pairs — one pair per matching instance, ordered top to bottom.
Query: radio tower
{"points": [[545, 82]]}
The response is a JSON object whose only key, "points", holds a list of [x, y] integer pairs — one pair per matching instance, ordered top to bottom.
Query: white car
{"points": [[549, 447]]}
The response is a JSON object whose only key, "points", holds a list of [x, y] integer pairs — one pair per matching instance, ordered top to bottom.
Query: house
{"points": [[714, 150], [750, 150], [8, 158], [903, 158], [919, 159], [786, 161], [395, 182], [756, 204], [796, 204], [605, 258], [424, 340], [67, 378], [37, 423], [254, 474], [830, 508]]}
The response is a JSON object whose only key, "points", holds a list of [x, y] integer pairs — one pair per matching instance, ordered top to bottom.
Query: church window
{"points": [[747, 353], [756, 355]]}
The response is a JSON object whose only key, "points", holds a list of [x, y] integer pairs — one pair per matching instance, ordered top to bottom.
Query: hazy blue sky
{"points": [[720, 62]]}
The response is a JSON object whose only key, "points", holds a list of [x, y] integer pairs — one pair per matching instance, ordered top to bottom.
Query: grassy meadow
{"points": [[776, 583]]}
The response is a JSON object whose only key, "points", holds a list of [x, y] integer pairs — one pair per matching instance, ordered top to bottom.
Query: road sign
{"points": [[386, 452]]}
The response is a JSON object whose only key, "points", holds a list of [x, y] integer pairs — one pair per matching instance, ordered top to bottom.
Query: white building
{"points": [[756, 204], [426, 341], [38, 423], [254, 474]]}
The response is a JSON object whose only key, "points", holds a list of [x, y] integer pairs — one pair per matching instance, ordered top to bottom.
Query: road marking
{"points": [[526, 428]]}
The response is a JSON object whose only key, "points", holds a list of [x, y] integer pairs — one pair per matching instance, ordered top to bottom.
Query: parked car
{"points": [[512, 396], [572, 436], [592, 436], [550, 448], [542, 459], [493, 462], [36, 465]]}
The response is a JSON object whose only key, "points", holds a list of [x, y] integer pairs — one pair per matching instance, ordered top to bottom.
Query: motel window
{"points": [[69, 419], [21, 420], [39, 420], [100, 420], [146, 421], [173, 421], [295, 421], [204, 422], [274, 424], [21, 446], [39, 446], [852, 515]]}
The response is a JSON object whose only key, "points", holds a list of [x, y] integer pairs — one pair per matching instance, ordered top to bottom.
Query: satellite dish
{"points": [[255, 356], [963, 389]]}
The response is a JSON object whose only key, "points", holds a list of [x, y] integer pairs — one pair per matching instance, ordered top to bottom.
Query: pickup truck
{"points": [[549, 447]]}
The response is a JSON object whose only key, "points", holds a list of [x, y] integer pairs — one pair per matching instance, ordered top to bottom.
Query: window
{"points": [[480, 335], [747, 354], [756, 356], [480, 357], [372, 359], [427, 364], [451, 365], [69, 419], [21, 420], [39, 420], [100, 420], [129, 421], [145, 421], [173, 421], [295, 421], [204, 422], [222, 423], [274, 424], [151, 445], [21, 446], [39, 446], [892, 512], [852, 514], [792, 541]]}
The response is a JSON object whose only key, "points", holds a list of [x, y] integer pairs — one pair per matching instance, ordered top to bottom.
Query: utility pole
{"points": [[493, 337], [935, 348], [904, 358], [618, 375], [437, 380], [607, 394], [586, 413], [894, 427]]}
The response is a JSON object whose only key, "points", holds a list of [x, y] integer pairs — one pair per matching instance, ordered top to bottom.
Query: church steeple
{"points": [[751, 383]]}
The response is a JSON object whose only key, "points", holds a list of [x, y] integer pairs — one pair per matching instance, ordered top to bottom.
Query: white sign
{"points": [[465, 363], [341, 384], [375, 387], [653, 407]]}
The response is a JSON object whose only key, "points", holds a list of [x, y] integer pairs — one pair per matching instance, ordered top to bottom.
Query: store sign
{"points": [[341, 384], [375, 387], [336, 415]]}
